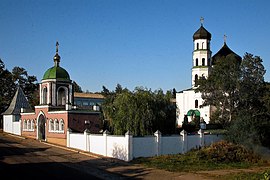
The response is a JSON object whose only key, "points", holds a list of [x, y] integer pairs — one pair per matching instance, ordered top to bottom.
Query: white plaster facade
{"points": [[187, 100]]}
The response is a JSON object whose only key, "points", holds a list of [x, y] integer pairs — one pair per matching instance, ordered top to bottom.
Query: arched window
{"points": [[202, 44], [197, 46], [203, 61], [197, 62], [196, 80], [44, 94], [61, 97], [196, 103], [24, 124], [28, 124], [32, 124], [51, 125], [56, 125], [61, 125]]}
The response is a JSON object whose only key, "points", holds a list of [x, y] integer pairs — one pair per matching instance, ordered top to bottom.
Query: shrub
{"points": [[224, 151]]}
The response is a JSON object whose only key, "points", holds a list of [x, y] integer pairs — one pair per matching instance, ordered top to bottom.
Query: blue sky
{"points": [[131, 42]]}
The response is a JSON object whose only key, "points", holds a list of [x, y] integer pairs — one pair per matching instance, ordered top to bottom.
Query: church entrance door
{"points": [[41, 127]]}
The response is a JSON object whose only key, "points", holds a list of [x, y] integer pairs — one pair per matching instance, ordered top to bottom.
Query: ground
{"points": [[110, 168]]}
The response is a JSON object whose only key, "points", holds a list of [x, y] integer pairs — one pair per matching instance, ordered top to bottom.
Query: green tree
{"points": [[28, 84], [77, 88], [221, 88], [142, 111], [252, 123]]}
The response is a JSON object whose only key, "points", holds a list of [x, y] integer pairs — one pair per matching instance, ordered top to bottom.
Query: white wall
{"points": [[8, 123], [17, 128], [77, 140], [193, 142], [97, 144], [171, 145], [144, 146], [117, 147], [128, 147]]}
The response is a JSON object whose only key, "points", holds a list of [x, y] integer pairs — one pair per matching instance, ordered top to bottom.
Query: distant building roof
{"points": [[223, 53], [88, 95], [19, 101]]}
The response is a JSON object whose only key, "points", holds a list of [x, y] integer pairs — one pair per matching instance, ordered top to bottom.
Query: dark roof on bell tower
{"points": [[202, 33], [224, 52]]}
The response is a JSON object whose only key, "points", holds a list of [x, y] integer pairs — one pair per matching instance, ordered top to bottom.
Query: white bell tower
{"points": [[201, 54]]}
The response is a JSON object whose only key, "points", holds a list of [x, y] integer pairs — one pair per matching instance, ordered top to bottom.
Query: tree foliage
{"points": [[10, 80], [77, 87], [220, 89], [241, 98], [141, 111]]}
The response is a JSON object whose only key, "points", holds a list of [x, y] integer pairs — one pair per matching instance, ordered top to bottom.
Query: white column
{"points": [[183, 133], [201, 133], [105, 134], [86, 135], [68, 137], [158, 142], [129, 145]]}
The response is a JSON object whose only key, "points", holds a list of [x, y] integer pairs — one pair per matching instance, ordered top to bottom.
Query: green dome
{"points": [[56, 72]]}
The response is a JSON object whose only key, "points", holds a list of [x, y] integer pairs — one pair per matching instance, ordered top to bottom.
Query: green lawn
{"points": [[222, 155]]}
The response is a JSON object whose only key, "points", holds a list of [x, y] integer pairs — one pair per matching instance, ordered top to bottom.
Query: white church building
{"points": [[188, 101]]}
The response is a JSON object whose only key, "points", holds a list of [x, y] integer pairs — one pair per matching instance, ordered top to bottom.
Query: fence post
{"points": [[183, 133], [201, 133], [105, 134], [86, 136], [68, 137], [158, 142], [129, 145]]}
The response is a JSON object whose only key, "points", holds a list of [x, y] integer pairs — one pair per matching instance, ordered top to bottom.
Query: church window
{"points": [[202, 45], [197, 46], [203, 61], [197, 62], [196, 80], [44, 96], [61, 96], [196, 103], [24, 124], [32, 124], [28, 125], [51, 125], [56, 125], [61, 125]]}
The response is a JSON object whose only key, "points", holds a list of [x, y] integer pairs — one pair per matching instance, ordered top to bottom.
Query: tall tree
{"points": [[77, 88], [221, 88], [142, 111]]}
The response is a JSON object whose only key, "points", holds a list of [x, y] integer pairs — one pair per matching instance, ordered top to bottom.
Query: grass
{"points": [[218, 156], [265, 175]]}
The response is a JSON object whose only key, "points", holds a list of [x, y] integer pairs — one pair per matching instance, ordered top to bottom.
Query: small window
{"points": [[197, 46], [203, 61], [197, 62], [196, 80], [196, 103], [24, 124], [28, 125], [32, 125], [51, 125], [56, 125], [61, 125]]}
